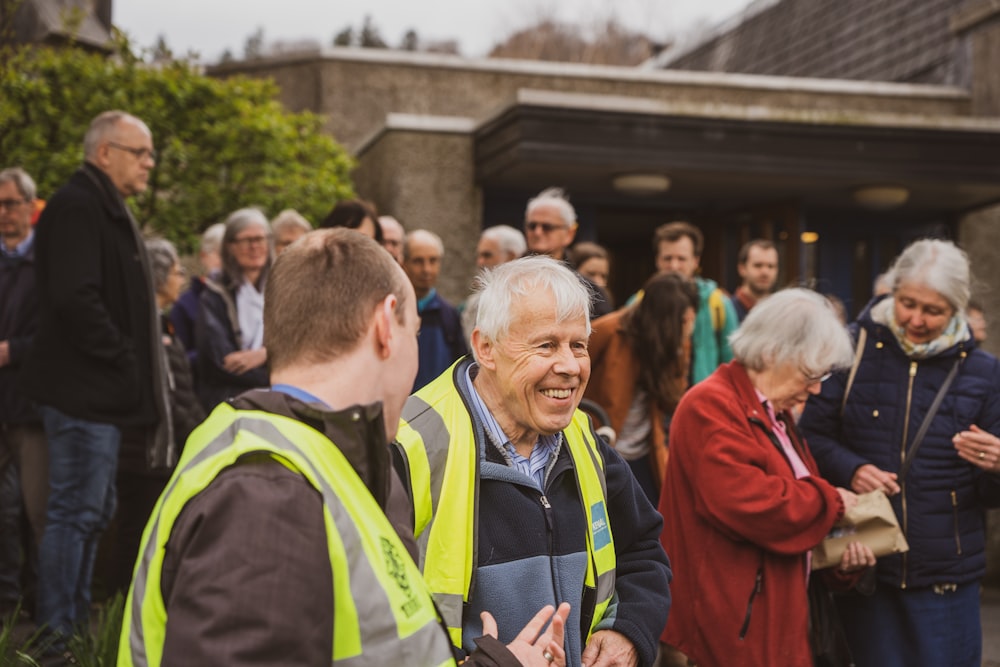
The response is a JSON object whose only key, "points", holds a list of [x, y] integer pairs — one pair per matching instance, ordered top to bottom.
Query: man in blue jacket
{"points": [[441, 338], [23, 468]]}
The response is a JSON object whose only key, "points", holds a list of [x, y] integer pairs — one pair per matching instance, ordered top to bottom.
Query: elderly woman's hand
{"points": [[979, 448], [869, 478], [850, 499], [857, 556]]}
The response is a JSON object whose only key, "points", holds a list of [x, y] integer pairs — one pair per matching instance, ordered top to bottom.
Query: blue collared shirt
{"points": [[22, 248], [300, 394], [545, 449]]}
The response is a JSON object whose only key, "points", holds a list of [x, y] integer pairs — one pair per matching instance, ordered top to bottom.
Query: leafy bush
{"points": [[223, 144]]}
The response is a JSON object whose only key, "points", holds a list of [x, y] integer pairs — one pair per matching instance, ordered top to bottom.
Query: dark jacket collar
{"points": [[111, 199], [357, 431]]}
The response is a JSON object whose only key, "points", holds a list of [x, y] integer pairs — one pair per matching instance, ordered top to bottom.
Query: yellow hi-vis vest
{"points": [[437, 437], [383, 613]]}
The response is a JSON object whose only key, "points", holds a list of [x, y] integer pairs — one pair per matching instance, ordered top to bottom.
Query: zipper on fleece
{"points": [[549, 529], [758, 584]]}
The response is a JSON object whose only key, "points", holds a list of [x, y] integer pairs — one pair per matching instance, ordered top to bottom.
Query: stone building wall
{"points": [[357, 88], [395, 172]]}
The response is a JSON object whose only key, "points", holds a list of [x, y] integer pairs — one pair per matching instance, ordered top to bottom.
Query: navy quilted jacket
{"points": [[941, 507]]}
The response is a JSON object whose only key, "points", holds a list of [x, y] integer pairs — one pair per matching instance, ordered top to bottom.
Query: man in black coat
{"points": [[97, 364]]}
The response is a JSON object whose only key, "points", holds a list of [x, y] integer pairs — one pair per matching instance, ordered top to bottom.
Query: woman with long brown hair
{"points": [[640, 357]]}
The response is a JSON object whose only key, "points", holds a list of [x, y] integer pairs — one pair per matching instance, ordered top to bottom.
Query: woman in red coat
{"points": [[742, 501]]}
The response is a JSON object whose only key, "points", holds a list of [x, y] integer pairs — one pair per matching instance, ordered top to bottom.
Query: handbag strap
{"points": [[859, 351], [926, 423]]}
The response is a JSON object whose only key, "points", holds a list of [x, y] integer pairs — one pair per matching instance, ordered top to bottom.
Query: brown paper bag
{"points": [[872, 522]]}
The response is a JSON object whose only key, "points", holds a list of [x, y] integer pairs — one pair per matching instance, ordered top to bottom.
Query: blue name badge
{"points": [[599, 526]]}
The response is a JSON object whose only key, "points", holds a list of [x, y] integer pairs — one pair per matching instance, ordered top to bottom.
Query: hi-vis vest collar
{"points": [[440, 443], [383, 614]]}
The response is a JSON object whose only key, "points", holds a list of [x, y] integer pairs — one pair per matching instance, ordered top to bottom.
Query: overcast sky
{"points": [[209, 27]]}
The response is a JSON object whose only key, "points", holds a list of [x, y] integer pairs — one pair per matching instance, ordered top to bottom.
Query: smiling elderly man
{"points": [[518, 503]]}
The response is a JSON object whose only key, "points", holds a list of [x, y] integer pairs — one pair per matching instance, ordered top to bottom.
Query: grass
{"points": [[96, 648], [14, 650]]}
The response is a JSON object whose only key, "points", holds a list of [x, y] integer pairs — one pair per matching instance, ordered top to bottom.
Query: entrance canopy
{"points": [[725, 156]]}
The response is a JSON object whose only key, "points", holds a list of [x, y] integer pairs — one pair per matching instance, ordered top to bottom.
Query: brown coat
{"points": [[614, 377]]}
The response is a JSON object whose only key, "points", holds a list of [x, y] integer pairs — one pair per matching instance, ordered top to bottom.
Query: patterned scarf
{"points": [[956, 332]]}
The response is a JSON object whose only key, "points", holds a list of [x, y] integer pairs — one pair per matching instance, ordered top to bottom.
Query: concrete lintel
{"points": [[753, 113], [408, 122]]}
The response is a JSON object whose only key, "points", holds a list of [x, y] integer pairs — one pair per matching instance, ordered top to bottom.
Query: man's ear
{"points": [[101, 158], [572, 232], [385, 312], [483, 349]]}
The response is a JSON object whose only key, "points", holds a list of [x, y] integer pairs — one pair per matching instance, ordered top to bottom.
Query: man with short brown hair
{"points": [[678, 247], [757, 264], [285, 536]]}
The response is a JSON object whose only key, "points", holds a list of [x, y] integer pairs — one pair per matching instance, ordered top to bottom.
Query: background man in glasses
{"points": [[550, 227], [97, 364], [23, 471]]}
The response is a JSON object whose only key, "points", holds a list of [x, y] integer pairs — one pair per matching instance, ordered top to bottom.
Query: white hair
{"points": [[105, 126], [21, 180], [556, 198], [290, 219], [389, 221], [422, 236], [211, 238], [510, 240], [162, 258], [939, 265], [498, 290], [796, 326]]}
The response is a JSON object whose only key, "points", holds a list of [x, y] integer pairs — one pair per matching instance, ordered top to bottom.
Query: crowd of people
{"points": [[311, 456]]}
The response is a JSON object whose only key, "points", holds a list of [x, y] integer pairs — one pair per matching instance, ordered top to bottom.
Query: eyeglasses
{"points": [[139, 153], [10, 204], [546, 227], [248, 241], [179, 272], [814, 379]]}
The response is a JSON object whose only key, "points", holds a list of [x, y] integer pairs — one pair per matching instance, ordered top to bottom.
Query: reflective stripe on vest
{"points": [[438, 440], [382, 609]]}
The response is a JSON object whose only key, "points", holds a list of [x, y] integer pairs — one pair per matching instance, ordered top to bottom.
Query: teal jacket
{"points": [[716, 319]]}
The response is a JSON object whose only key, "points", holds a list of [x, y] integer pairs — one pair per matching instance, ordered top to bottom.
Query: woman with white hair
{"points": [[230, 329], [917, 417], [743, 503]]}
